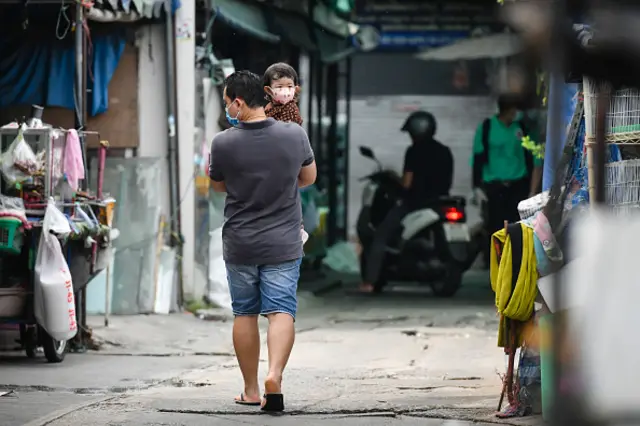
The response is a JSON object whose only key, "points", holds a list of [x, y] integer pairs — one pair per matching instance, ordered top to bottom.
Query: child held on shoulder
{"points": [[281, 86]]}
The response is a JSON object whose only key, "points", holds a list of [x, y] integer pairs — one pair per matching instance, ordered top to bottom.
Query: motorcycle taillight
{"points": [[453, 214]]}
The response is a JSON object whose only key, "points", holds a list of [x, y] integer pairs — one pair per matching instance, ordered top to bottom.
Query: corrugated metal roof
{"points": [[130, 10]]}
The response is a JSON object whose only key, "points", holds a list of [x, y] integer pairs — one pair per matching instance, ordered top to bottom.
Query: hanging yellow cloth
{"points": [[513, 303]]}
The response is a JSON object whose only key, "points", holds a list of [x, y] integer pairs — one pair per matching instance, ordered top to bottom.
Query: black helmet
{"points": [[420, 125]]}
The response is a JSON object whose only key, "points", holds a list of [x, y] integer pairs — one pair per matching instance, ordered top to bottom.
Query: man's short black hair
{"points": [[278, 71], [246, 86], [507, 102]]}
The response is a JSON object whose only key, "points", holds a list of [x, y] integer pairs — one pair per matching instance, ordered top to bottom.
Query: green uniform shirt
{"points": [[506, 154]]}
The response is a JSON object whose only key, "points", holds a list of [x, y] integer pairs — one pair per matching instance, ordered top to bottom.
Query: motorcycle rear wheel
{"points": [[381, 283], [450, 284]]}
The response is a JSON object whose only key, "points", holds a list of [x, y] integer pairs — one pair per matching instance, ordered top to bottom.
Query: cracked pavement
{"points": [[401, 358]]}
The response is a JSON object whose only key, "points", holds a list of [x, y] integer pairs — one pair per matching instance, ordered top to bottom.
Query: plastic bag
{"points": [[18, 163], [13, 207], [310, 215], [342, 257], [218, 288], [54, 301]]}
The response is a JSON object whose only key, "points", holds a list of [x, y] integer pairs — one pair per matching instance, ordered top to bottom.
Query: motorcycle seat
{"points": [[456, 200]]}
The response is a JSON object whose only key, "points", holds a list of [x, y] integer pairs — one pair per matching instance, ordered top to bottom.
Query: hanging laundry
{"points": [[73, 162], [513, 277]]}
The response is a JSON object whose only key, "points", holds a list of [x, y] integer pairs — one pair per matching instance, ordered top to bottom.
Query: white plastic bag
{"points": [[19, 154], [12, 207], [311, 217], [342, 257], [218, 291], [54, 301]]}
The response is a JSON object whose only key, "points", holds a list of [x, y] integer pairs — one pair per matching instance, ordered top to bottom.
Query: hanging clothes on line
{"points": [[73, 162], [513, 277]]}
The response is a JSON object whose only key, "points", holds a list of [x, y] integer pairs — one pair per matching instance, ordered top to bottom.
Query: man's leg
{"points": [[517, 192], [495, 216], [376, 254], [278, 285], [244, 286], [246, 341]]}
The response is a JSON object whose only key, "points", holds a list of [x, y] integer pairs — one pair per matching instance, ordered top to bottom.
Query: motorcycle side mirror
{"points": [[365, 151]]}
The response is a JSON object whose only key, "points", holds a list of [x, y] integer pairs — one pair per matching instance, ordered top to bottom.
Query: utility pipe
{"points": [[172, 126]]}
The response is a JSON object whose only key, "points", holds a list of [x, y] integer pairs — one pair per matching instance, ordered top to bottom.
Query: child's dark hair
{"points": [[278, 71]]}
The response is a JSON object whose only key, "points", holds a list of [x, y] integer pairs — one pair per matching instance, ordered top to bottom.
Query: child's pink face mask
{"points": [[283, 95]]}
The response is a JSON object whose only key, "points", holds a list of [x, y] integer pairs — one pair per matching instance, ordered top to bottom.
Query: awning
{"points": [[130, 10], [246, 17], [299, 31], [329, 35], [493, 46]]}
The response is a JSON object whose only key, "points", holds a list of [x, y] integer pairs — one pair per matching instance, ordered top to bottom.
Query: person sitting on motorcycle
{"points": [[427, 174]]}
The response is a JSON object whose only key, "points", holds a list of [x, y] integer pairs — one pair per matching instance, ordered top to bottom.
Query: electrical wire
{"points": [[62, 13]]}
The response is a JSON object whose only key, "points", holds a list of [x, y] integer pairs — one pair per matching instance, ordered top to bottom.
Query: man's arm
{"points": [[477, 163], [408, 168], [448, 170], [215, 171], [308, 171], [308, 175], [536, 177], [218, 186]]}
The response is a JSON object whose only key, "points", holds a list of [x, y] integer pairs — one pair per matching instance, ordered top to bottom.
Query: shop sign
{"points": [[419, 24]]}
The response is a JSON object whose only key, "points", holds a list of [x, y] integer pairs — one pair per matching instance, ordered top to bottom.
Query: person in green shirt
{"points": [[504, 173]]}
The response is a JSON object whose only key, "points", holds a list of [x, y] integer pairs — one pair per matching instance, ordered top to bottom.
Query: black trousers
{"points": [[502, 204], [377, 251]]}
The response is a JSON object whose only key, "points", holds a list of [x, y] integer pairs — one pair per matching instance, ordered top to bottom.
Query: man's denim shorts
{"points": [[264, 289]]}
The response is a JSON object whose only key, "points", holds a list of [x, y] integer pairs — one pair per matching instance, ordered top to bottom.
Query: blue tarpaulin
{"points": [[43, 71], [556, 137]]}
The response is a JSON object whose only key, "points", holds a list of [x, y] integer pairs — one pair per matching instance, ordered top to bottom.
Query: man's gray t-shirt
{"points": [[259, 162]]}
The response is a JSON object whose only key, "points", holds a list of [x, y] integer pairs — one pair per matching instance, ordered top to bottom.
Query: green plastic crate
{"points": [[11, 236]]}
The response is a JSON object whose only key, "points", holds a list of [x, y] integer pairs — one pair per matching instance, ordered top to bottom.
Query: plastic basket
{"points": [[11, 236]]}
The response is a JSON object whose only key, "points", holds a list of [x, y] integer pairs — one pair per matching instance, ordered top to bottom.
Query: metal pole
{"points": [[81, 84], [310, 86], [80, 87], [555, 123], [173, 141], [347, 144], [600, 146], [319, 148], [332, 148], [107, 299]]}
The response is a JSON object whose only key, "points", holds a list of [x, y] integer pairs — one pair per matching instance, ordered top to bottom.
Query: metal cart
{"points": [[19, 267]]}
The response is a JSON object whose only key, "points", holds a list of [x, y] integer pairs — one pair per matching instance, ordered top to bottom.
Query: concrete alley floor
{"points": [[400, 358]]}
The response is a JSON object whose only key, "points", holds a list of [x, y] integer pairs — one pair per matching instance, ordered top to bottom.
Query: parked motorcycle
{"points": [[434, 245]]}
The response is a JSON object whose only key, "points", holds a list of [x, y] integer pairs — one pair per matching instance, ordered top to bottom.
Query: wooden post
{"points": [[507, 382]]}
